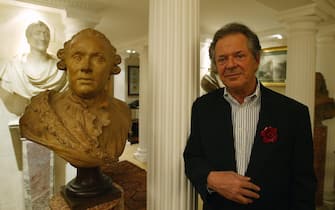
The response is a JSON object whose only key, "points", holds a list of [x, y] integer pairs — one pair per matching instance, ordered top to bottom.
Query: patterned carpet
{"points": [[133, 180]]}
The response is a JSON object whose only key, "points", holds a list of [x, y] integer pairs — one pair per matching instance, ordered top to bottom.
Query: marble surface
{"points": [[37, 175]]}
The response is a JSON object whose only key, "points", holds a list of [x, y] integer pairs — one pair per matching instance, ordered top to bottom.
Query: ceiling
{"points": [[127, 20]]}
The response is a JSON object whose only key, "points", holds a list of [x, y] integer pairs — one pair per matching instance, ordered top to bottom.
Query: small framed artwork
{"points": [[272, 67], [133, 80]]}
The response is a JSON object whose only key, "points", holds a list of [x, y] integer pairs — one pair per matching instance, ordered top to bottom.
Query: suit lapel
{"points": [[229, 141], [224, 146], [260, 151]]}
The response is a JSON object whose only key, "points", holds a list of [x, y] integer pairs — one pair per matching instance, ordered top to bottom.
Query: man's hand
{"points": [[233, 186]]}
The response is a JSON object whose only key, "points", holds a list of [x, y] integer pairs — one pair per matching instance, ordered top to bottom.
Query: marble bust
{"points": [[29, 74], [83, 124]]}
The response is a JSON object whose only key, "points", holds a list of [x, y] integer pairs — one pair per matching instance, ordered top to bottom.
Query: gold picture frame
{"points": [[272, 67]]}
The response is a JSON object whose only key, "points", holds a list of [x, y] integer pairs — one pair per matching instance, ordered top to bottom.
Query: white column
{"points": [[302, 23], [301, 58], [301, 61], [325, 65], [174, 75], [144, 129]]}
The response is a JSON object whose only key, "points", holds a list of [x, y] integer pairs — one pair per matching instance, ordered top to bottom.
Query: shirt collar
{"points": [[255, 95]]}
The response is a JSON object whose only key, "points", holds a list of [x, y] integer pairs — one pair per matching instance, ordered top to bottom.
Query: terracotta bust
{"points": [[83, 124]]}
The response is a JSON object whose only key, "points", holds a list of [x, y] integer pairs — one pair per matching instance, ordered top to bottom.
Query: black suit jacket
{"points": [[283, 170]]}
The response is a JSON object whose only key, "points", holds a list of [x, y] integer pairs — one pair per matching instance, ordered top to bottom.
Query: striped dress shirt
{"points": [[244, 118]]}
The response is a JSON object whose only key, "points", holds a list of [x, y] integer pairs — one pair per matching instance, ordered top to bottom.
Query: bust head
{"points": [[38, 36], [89, 59]]}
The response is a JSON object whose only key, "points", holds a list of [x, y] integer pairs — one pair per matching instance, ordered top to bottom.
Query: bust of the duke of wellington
{"points": [[83, 124]]}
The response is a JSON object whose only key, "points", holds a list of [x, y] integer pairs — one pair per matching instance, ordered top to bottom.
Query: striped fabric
{"points": [[244, 118]]}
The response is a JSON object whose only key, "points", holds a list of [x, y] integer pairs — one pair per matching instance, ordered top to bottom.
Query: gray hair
{"points": [[236, 28]]}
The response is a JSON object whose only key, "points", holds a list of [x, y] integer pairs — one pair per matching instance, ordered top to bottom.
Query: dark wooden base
{"points": [[89, 182], [86, 203]]}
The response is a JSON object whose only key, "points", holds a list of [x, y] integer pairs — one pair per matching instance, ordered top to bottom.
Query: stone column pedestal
{"points": [[37, 165]]}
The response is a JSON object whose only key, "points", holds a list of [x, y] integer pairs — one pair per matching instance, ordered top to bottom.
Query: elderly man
{"points": [[249, 147]]}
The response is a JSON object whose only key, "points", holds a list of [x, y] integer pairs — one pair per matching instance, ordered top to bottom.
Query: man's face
{"points": [[39, 38], [235, 63], [89, 64]]}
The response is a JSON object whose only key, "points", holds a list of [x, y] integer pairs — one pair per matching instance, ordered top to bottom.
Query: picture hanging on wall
{"points": [[272, 67], [133, 80]]}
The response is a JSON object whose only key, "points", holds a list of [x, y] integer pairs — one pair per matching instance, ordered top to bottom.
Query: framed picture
{"points": [[272, 67], [133, 80]]}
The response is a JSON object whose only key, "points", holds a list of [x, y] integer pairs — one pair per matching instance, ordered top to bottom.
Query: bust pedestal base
{"points": [[112, 200]]}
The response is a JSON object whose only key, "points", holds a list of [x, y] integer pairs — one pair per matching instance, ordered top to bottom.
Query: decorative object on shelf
{"points": [[272, 67], [133, 80], [210, 81]]}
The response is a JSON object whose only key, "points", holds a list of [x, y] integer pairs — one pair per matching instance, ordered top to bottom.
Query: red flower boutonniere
{"points": [[269, 135]]}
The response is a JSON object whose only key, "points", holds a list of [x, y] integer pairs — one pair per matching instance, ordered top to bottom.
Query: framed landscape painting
{"points": [[272, 67]]}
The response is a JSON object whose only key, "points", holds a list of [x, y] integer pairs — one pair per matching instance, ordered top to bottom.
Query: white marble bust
{"points": [[29, 74]]}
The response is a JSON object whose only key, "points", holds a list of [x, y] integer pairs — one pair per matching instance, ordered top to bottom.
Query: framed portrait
{"points": [[272, 67], [133, 80]]}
